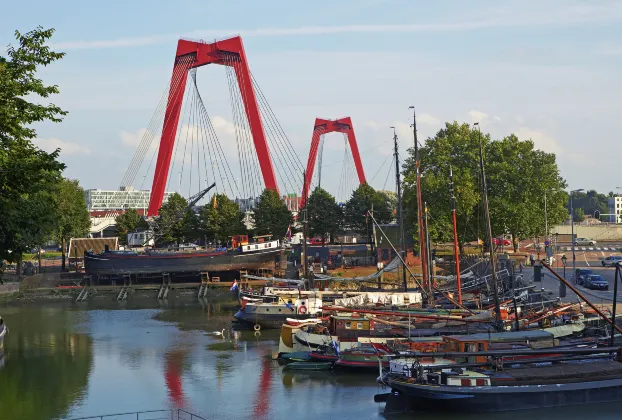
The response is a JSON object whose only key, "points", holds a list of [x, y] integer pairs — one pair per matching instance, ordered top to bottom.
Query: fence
{"points": [[170, 414]]}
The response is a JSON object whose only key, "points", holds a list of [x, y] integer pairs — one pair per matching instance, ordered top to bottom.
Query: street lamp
{"points": [[574, 257], [564, 259]]}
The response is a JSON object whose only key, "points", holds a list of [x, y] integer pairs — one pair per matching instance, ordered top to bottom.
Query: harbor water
{"points": [[66, 360]]}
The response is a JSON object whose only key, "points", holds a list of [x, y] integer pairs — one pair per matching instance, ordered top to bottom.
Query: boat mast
{"points": [[399, 207], [489, 231], [422, 247], [456, 248], [305, 268]]}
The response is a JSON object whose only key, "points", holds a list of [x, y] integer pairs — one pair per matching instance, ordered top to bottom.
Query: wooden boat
{"points": [[299, 356], [309, 366], [577, 376]]}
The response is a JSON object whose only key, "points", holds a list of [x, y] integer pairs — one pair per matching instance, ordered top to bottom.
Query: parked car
{"points": [[584, 241], [501, 242], [612, 260], [581, 274], [596, 281]]}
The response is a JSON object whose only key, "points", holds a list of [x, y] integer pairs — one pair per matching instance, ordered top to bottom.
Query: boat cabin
{"points": [[239, 240], [466, 344], [458, 377]]}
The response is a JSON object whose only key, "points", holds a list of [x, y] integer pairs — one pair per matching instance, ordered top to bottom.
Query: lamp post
{"points": [[574, 257], [564, 259]]}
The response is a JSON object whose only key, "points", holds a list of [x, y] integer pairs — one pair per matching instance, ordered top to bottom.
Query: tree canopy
{"points": [[28, 175], [518, 177], [364, 199], [324, 215], [271, 216], [72, 217], [221, 218], [128, 221], [176, 224]]}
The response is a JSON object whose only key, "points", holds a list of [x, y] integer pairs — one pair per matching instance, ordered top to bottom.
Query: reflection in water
{"points": [[46, 365], [173, 369], [261, 407]]}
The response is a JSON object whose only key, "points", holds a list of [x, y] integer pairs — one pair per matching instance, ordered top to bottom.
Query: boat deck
{"points": [[571, 372]]}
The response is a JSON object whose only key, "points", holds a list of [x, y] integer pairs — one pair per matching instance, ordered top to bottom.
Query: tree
{"points": [[454, 147], [27, 174], [519, 176], [364, 199], [324, 215], [579, 215], [271, 216], [72, 218], [221, 219], [128, 221], [176, 223]]}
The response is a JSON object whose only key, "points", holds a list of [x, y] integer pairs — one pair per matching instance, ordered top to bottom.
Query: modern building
{"points": [[124, 198], [615, 209]]}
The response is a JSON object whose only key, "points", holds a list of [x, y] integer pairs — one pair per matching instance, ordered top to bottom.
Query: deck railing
{"points": [[170, 414]]}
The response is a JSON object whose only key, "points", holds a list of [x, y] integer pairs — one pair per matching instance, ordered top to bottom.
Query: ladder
{"points": [[164, 289], [202, 290], [123, 293], [83, 294]]}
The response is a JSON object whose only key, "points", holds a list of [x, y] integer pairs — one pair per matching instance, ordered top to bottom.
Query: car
{"points": [[584, 241], [501, 242], [612, 260], [581, 274], [595, 281]]}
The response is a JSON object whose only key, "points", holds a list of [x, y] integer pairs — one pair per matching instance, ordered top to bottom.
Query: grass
{"points": [[45, 256]]}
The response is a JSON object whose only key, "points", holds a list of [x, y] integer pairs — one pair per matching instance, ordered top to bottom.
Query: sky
{"points": [[546, 71]]}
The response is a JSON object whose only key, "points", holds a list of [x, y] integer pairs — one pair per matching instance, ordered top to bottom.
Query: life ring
{"points": [[302, 310], [257, 327], [257, 333]]}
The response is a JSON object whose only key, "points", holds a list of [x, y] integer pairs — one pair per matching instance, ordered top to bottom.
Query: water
{"points": [[66, 360]]}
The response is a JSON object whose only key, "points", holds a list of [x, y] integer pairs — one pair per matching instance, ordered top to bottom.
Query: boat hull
{"points": [[118, 264], [267, 321], [3, 331], [414, 397]]}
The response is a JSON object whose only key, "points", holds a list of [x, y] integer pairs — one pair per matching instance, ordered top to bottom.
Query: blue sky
{"points": [[549, 71]]}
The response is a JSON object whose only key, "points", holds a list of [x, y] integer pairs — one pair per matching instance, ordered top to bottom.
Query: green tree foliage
{"points": [[455, 146], [27, 175], [517, 175], [362, 201], [590, 201], [324, 215], [579, 215], [72, 216], [271, 216], [221, 218], [129, 221], [176, 224]]}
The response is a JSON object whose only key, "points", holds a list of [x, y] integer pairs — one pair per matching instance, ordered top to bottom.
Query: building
{"points": [[124, 198], [615, 209]]}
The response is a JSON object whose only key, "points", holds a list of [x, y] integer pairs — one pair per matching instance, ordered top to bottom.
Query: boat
{"points": [[246, 257], [266, 315], [3, 332], [299, 356], [309, 366], [579, 377]]}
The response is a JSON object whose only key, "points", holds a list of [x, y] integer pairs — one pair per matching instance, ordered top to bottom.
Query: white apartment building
{"points": [[124, 198], [615, 208]]}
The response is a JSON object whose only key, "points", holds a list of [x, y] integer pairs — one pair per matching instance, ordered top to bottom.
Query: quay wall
{"points": [[609, 232], [9, 288]]}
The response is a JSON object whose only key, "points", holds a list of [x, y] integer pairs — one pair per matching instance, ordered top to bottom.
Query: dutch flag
{"points": [[288, 234], [234, 285]]}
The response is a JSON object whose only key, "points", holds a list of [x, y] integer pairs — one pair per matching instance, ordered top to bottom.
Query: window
{"points": [[256, 246], [348, 326], [465, 382], [480, 382]]}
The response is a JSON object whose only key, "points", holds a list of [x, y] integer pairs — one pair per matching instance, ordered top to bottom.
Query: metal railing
{"points": [[170, 414]]}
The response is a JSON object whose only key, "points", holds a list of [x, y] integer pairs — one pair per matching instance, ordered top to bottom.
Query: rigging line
{"points": [[175, 81], [258, 89], [232, 95], [182, 113], [269, 119], [191, 128], [319, 132], [195, 138], [203, 139], [250, 145], [143, 147], [217, 148], [218, 153], [360, 153], [319, 156], [183, 161], [379, 169], [342, 178], [384, 186]]}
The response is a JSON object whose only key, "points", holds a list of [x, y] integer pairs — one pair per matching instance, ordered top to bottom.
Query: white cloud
{"points": [[537, 14], [609, 50], [477, 116], [496, 118], [428, 119], [132, 139], [541, 140], [67, 148]]}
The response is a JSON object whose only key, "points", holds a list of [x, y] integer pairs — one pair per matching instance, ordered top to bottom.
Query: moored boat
{"points": [[3, 332]]}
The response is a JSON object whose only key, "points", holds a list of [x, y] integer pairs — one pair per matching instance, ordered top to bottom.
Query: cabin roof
{"points": [[505, 336]]}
